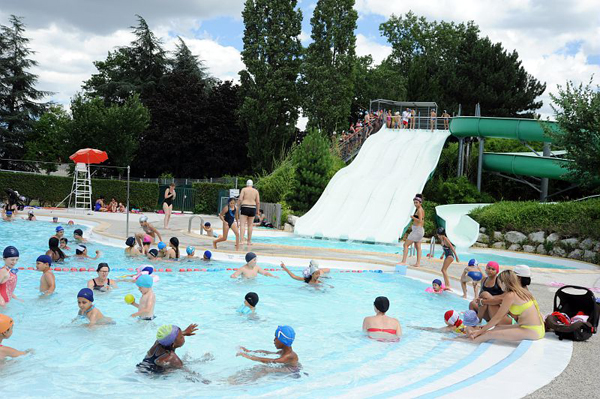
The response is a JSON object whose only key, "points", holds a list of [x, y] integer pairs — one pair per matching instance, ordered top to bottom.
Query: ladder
{"points": [[81, 192]]}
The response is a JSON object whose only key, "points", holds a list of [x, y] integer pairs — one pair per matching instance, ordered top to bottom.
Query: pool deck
{"points": [[576, 377]]}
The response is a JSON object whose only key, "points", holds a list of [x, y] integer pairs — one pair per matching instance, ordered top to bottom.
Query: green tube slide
{"points": [[503, 128], [525, 164]]}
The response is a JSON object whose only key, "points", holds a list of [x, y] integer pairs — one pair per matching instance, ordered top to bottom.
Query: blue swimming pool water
{"points": [[298, 241], [71, 360]]}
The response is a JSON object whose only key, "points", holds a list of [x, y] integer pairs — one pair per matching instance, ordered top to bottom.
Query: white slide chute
{"points": [[371, 199]]}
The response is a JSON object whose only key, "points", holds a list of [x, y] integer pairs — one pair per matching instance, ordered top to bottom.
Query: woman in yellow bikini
{"points": [[519, 303]]}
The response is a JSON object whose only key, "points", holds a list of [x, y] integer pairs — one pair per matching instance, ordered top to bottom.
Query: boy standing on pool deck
{"points": [[250, 269], [47, 282], [148, 300], [6, 330], [284, 338]]}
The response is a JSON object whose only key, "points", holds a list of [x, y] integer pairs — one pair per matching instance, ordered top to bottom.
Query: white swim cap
{"points": [[249, 183], [143, 219], [522, 271]]}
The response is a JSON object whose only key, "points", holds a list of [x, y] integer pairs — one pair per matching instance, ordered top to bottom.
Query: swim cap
{"points": [[249, 183], [418, 199], [30, 212], [8, 213], [143, 219], [207, 224], [59, 228], [441, 231], [79, 232], [147, 239], [130, 241], [162, 245], [80, 249], [190, 250], [10, 252], [153, 252], [207, 254], [250, 256], [44, 259], [473, 262], [494, 265], [146, 268], [522, 271], [144, 281], [437, 281], [87, 294], [251, 298], [382, 304], [452, 318], [470, 318], [5, 323], [167, 334], [285, 335]]}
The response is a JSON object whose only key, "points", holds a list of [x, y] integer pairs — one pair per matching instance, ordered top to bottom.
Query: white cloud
{"points": [[538, 30], [366, 46]]}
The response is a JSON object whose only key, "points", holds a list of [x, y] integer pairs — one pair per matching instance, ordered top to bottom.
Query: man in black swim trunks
{"points": [[249, 202]]}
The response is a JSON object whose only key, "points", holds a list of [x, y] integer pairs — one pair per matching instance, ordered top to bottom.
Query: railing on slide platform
{"points": [[350, 146]]}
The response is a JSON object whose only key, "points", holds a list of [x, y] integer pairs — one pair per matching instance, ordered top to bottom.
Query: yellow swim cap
{"points": [[5, 323]]}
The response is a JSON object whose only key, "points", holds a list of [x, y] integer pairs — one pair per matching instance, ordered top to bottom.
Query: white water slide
{"points": [[371, 199]]}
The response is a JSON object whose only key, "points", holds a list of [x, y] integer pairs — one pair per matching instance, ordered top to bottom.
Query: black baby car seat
{"points": [[578, 299]]}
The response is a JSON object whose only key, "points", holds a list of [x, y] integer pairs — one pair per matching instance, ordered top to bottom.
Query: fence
{"points": [[185, 198]]}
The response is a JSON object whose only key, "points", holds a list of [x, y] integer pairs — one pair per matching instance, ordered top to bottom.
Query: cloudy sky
{"points": [[556, 40]]}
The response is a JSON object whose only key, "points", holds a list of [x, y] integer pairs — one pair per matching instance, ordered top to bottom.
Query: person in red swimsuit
{"points": [[380, 326]]}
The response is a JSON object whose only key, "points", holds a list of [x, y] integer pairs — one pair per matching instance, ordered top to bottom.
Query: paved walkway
{"points": [[577, 378]]}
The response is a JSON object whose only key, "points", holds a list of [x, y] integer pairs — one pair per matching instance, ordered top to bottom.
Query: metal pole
{"points": [[460, 155], [480, 163], [544, 181], [127, 217]]}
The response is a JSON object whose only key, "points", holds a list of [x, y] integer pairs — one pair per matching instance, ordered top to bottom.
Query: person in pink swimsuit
{"points": [[8, 275]]}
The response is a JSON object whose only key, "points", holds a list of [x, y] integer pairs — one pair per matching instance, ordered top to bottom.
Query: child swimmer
{"points": [[471, 273], [47, 281], [148, 300], [250, 302], [87, 310], [6, 330], [161, 355]]}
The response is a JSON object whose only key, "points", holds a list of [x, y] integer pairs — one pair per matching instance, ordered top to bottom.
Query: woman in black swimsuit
{"points": [[168, 204], [230, 217], [102, 282], [490, 296]]}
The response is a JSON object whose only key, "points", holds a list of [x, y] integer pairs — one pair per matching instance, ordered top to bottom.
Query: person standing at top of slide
{"points": [[433, 116], [405, 117], [170, 195], [249, 203], [417, 230]]}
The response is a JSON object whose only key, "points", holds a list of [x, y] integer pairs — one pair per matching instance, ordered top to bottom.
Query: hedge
{"points": [[50, 190], [207, 195], [568, 219]]}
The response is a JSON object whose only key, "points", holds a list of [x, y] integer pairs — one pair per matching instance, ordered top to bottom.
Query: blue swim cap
{"points": [[9, 213], [207, 224], [59, 228], [130, 242], [162, 245], [190, 250], [10, 252], [153, 252], [207, 254], [250, 256], [44, 259], [473, 262], [149, 269], [144, 281], [437, 281], [87, 294], [285, 335]]}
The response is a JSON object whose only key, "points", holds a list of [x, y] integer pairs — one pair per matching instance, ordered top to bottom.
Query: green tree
{"points": [[272, 50], [451, 64], [329, 67], [376, 81], [19, 99], [577, 110], [112, 128], [49, 140], [313, 162]]}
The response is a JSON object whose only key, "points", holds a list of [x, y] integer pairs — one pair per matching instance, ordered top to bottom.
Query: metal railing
{"points": [[201, 223]]}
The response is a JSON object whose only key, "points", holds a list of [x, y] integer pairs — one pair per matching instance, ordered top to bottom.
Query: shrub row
{"points": [[50, 190], [207, 196], [568, 219]]}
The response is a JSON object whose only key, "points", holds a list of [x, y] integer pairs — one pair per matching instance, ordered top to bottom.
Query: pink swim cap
{"points": [[147, 238], [494, 265]]}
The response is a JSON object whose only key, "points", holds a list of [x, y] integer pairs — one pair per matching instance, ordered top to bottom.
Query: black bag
{"points": [[570, 304]]}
